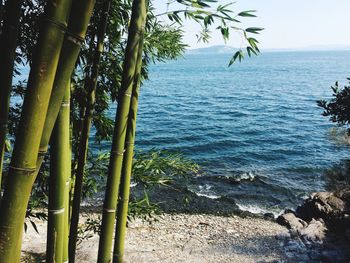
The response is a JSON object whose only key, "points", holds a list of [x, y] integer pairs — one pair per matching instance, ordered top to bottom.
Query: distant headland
{"points": [[225, 49]]}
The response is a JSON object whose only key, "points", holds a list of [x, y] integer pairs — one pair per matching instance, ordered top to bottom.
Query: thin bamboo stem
{"points": [[137, 23], [8, 44], [86, 126], [23, 163], [59, 172], [122, 209], [65, 255]]}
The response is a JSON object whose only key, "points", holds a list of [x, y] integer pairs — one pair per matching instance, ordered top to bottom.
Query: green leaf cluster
{"points": [[208, 14], [338, 107]]}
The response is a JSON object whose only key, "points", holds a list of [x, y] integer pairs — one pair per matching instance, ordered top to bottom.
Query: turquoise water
{"points": [[254, 128]]}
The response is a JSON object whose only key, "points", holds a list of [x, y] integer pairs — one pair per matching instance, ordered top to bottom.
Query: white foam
{"points": [[209, 196], [257, 209]]}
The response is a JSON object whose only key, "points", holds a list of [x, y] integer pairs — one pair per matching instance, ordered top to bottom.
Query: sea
{"points": [[254, 128]]}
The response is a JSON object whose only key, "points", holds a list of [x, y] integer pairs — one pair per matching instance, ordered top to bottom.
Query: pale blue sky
{"points": [[287, 23]]}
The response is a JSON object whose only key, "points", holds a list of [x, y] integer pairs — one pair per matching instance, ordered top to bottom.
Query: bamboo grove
{"points": [[82, 56]]}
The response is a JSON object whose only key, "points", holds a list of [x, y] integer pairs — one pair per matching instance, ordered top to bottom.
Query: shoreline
{"points": [[201, 230], [211, 230], [182, 238]]}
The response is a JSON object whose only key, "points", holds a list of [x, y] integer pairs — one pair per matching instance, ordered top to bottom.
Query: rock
{"points": [[344, 194], [321, 205], [269, 216], [291, 221], [322, 226], [315, 231], [283, 236]]}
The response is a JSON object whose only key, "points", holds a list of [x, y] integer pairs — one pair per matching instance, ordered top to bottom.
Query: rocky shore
{"points": [[319, 229], [211, 230]]}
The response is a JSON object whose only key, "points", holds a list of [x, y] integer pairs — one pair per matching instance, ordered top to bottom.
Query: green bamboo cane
{"points": [[137, 23], [77, 26], [8, 44], [86, 126], [23, 164], [59, 172], [66, 204], [122, 211]]}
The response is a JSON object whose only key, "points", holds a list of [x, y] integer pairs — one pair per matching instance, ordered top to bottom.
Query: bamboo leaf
{"points": [[248, 13], [254, 30], [34, 226]]}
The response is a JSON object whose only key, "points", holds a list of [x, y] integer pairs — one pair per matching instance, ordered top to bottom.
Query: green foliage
{"points": [[209, 14], [338, 107], [161, 168], [149, 169], [96, 173], [142, 208], [31, 216], [90, 227]]}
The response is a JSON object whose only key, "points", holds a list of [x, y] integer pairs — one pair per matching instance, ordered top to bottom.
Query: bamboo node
{"points": [[59, 25], [141, 31], [76, 39], [127, 94], [65, 104], [130, 143], [42, 152], [119, 153], [29, 171], [124, 199], [109, 210], [56, 211]]}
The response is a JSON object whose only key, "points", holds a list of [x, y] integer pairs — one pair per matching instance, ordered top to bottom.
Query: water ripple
{"points": [[258, 117]]}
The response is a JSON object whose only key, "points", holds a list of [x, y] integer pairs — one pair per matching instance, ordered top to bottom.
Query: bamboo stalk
{"points": [[137, 23], [77, 26], [8, 44], [86, 126], [23, 163], [59, 172], [67, 208], [122, 210]]}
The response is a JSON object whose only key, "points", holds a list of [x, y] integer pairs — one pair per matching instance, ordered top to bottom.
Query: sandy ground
{"points": [[183, 238]]}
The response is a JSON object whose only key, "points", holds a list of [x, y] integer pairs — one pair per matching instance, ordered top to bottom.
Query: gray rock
{"points": [[343, 194], [321, 205], [291, 221], [315, 231], [283, 236]]}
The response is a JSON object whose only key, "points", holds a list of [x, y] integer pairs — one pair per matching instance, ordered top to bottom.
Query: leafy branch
{"points": [[208, 14], [338, 107]]}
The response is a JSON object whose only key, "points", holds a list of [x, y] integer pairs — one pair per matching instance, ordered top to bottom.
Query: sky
{"points": [[288, 23]]}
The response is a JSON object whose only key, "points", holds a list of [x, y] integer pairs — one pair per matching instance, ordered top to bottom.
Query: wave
{"points": [[259, 210]]}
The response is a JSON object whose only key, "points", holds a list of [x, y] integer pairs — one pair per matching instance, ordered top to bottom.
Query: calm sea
{"points": [[254, 128]]}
